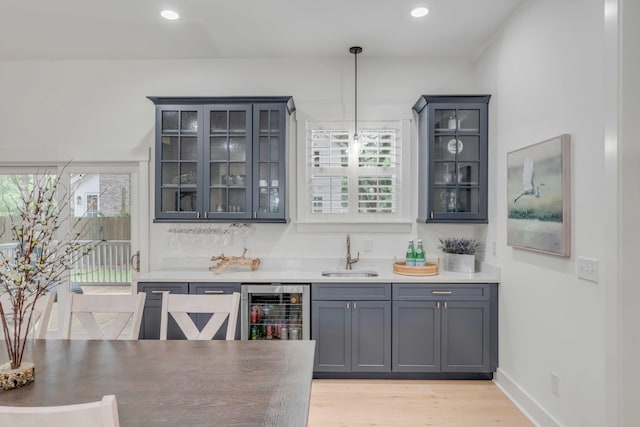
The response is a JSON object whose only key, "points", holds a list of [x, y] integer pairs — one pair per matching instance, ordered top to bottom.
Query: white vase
{"points": [[460, 263]]}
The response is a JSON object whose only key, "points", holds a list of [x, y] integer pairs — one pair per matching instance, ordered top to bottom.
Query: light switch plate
{"points": [[368, 245], [587, 268], [555, 384]]}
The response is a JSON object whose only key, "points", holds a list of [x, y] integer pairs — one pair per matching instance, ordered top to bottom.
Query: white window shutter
{"points": [[348, 186]]}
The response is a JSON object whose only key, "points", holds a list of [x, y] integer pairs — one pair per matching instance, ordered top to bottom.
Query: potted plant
{"points": [[460, 253], [43, 256]]}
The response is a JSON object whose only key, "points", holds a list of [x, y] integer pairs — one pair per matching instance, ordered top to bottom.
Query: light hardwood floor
{"points": [[407, 403]]}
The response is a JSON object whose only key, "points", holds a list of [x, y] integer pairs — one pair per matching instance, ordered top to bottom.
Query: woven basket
{"points": [[431, 269]]}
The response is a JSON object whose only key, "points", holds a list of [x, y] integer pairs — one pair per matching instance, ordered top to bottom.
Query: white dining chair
{"points": [[180, 306], [96, 312], [41, 313], [103, 413]]}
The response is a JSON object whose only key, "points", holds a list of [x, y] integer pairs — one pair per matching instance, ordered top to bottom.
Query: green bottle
{"points": [[410, 258], [420, 259]]}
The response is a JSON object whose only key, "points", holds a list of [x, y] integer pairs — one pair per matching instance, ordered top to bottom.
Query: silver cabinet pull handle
{"points": [[158, 292], [214, 292], [441, 292], [445, 304], [348, 305], [355, 305], [438, 305]]}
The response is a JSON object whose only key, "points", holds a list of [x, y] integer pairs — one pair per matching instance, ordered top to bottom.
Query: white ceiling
{"points": [[133, 29]]}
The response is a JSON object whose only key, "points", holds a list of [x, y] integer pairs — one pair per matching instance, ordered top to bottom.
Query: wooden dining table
{"points": [[175, 382]]}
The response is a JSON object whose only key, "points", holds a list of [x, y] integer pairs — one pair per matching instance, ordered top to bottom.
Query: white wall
{"points": [[545, 70], [98, 111], [629, 208]]}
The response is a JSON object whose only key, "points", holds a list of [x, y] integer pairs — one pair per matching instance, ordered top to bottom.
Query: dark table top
{"points": [[177, 383]]}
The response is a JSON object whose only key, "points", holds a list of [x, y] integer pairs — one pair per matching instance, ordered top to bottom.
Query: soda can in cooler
{"points": [[269, 332], [284, 333], [295, 333]]}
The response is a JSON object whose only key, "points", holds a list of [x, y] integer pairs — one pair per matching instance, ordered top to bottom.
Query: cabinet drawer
{"points": [[213, 288], [153, 291], [351, 291], [458, 292]]}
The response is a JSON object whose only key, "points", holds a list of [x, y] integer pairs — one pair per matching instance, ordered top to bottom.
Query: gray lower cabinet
{"points": [[215, 289], [351, 324], [150, 328], [445, 328], [416, 336], [465, 338]]}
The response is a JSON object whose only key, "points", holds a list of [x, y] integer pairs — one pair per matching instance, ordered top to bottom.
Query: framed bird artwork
{"points": [[539, 196]]}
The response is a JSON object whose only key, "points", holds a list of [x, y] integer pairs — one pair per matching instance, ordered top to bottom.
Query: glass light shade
{"points": [[419, 12], [170, 15]]}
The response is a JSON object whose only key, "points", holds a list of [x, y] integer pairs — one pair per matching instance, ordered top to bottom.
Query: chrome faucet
{"points": [[351, 261]]}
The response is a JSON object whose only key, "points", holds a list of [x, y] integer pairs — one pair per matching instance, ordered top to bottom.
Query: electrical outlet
{"points": [[368, 245], [587, 268], [555, 384]]}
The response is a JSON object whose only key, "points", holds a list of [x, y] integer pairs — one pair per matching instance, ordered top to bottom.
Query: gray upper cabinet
{"points": [[453, 155], [221, 159]]}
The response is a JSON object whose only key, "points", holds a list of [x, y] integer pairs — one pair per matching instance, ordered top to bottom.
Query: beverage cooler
{"points": [[275, 312]]}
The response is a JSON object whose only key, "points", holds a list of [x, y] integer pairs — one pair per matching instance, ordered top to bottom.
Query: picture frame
{"points": [[539, 197]]}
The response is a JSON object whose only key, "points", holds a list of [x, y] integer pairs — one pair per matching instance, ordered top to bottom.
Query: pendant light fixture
{"points": [[356, 50]]}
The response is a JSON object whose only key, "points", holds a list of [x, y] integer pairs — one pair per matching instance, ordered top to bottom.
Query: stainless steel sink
{"points": [[350, 273]]}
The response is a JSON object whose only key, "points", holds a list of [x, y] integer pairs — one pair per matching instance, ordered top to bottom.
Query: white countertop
{"points": [[310, 271]]}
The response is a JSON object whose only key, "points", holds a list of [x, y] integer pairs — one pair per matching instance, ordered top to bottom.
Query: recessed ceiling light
{"points": [[419, 12], [170, 15]]}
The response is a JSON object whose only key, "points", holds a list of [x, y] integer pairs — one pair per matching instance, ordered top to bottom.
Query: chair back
{"points": [[180, 306], [95, 314], [39, 318], [103, 413]]}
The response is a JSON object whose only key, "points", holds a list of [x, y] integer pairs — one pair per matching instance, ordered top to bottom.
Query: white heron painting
{"points": [[538, 197]]}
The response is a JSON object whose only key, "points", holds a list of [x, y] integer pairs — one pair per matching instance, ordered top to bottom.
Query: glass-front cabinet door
{"points": [[269, 125], [228, 150], [453, 159], [177, 173]]}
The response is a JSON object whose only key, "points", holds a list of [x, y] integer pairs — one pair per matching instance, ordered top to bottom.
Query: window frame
{"points": [[138, 172], [401, 172]]}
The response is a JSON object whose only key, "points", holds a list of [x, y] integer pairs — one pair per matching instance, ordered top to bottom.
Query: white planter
{"points": [[459, 263]]}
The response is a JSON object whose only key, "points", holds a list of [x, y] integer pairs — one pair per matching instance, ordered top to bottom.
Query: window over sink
{"points": [[349, 182]]}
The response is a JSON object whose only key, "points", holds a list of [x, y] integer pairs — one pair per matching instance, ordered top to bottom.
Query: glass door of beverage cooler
{"points": [[275, 312]]}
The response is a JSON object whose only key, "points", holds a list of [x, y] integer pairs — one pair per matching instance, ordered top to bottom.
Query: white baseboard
{"points": [[536, 413]]}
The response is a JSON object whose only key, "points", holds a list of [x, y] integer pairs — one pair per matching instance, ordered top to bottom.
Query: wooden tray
{"points": [[431, 269]]}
